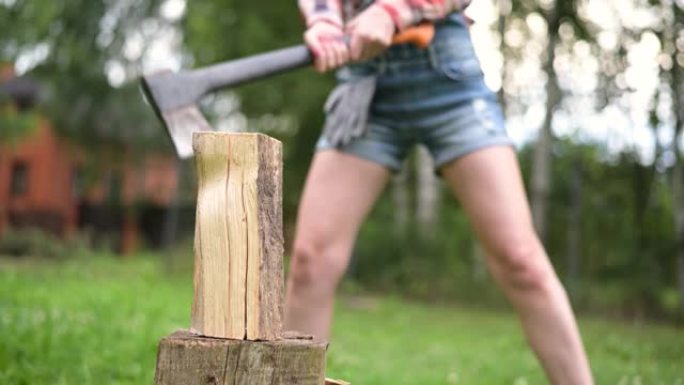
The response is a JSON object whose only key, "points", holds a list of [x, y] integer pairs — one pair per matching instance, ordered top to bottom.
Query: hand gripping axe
{"points": [[174, 96]]}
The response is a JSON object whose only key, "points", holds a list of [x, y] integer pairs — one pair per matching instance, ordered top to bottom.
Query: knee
{"points": [[315, 265], [523, 266]]}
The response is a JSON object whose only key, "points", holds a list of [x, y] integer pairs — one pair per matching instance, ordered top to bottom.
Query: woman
{"points": [[435, 97]]}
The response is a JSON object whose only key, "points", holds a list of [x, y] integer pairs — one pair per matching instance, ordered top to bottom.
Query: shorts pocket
{"points": [[460, 69]]}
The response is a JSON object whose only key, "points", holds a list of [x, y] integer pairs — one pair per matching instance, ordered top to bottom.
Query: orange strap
{"points": [[421, 35]]}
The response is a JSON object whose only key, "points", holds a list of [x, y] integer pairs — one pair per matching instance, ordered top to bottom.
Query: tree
{"points": [[560, 13], [674, 35], [80, 52], [428, 194]]}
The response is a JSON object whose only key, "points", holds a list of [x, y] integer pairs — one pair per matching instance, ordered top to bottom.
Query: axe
{"points": [[174, 96]]}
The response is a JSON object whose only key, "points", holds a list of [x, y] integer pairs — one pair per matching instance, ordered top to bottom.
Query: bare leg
{"points": [[489, 185], [339, 192]]}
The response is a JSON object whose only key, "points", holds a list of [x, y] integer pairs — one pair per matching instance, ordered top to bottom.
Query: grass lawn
{"points": [[98, 321]]}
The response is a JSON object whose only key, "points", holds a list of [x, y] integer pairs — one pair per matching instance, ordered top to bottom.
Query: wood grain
{"points": [[238, 277], [265, 288], [185, 359]]}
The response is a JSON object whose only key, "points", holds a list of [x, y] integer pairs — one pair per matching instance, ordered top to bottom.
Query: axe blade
{"points": [[173, 98], [180, 124]]}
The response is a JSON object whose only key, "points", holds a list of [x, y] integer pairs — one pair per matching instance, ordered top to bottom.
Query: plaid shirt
{"points": [[404, 13]]}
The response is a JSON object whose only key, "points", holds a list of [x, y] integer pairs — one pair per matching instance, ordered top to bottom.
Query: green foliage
{"points": [[71, 43], [15, 126], [30, 242], [627, 243], [625, 256], [444, 264], [98, 321]]}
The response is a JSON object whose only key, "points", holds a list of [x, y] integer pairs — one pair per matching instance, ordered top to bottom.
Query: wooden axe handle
{"points": [[244, 70]]}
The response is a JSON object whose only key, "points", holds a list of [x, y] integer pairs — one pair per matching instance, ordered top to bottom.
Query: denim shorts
{"points": [[434, 96]]}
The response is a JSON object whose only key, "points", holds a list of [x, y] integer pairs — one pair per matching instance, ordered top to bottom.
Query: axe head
{"points": [[174, 98]]}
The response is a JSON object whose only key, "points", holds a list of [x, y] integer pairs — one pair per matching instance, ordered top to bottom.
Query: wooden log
{"points": [[238, 277], [185, 359]]}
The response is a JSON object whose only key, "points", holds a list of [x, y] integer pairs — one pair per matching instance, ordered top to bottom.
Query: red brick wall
{"points": [[51, 164], [50, 170]]}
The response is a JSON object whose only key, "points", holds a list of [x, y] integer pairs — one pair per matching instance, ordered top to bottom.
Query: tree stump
{"points": [[237, 308], [187, 359]]}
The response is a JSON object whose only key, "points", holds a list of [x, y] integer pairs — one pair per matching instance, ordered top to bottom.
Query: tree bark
{"points": [[505, 8], [676, 79], [542, 159], [427, 194], [401, 202], [678, 205], [574, 235]]}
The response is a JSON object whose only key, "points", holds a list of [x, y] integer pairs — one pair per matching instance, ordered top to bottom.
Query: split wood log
{"points": [[238, 277], [185, 359]]}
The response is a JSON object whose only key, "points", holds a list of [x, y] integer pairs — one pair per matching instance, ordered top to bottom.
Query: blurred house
{"points": [[48, 183]]}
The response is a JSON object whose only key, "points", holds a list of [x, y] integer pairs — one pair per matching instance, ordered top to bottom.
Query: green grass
{"points": [[98, 321]]}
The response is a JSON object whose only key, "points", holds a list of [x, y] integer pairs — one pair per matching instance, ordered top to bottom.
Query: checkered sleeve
{"points": [[329, 11], [406, 13]]}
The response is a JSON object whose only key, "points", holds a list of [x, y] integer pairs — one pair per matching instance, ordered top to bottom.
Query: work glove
{"points": [[370, 33], [326, 42], [347, 111]]}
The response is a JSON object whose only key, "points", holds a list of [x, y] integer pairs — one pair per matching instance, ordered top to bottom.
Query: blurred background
{"points": [[97, 214]]}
